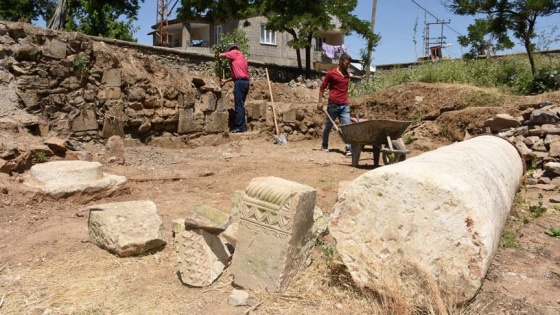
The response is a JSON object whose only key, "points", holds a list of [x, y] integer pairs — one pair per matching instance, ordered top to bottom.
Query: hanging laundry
{"points": [[332, 50]]}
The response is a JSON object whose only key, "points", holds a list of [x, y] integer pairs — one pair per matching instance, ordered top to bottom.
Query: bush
{"points": [[510, 74], [546, 80]]}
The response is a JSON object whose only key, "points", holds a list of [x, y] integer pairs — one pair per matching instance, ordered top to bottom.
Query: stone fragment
{"points": [[55, 48], [112, 77], [541, 117], [84, 121], [501, 122], [550, 129], [56, 144], [115, 149], [554, 149], [553, 167], [79, 180], [554, 199], [207, 218], [126, 228], [275, 228], [202, 257], [240, 298]]}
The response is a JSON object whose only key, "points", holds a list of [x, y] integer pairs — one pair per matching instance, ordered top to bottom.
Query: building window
{"points": [[217, 33], [267, 37], [319, 43]]}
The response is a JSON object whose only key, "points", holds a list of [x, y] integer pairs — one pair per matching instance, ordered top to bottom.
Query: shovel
{"points": [[334, 124], [279, 138]]}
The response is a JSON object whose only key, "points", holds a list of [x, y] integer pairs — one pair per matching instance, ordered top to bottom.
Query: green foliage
{"points": [[23, 10], [103, 18], [502, 18], [303, 20], [546, 38], [81, 65], [222, 69], [510, 75], [546, 80], [416, 117], [444, 131], [408, 139], [41, 157], [557, 207], [538, 209], [553, 231], [509, 240], [327, 251]]}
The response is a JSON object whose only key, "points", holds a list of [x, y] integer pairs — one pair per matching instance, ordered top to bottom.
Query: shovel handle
{"points": [[332, 121]]}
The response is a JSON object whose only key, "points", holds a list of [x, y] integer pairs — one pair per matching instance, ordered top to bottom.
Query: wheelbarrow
{"points": [[383, 134]]}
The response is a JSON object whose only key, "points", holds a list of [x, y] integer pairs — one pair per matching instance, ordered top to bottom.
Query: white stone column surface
{"points": [[439, 215]]}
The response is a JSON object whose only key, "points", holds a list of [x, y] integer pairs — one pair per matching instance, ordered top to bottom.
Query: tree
{"points": [[22, 10], [518, 16], [59, 17], [99, 17], [108, 18], [306, 18], [303, 19]]}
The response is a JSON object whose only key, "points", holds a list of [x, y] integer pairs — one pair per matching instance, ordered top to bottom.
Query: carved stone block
{"points": [[275, 222], [202, 257]]}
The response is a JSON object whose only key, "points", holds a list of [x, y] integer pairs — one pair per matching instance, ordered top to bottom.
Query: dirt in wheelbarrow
{"points": [[47, 265]]}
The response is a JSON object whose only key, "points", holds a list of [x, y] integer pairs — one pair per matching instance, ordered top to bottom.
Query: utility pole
{"points": [[373, 14], [162, 21], [436, 40]]}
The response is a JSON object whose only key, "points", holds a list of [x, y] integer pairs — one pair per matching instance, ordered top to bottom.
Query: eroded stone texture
{"points": [[83, 181], [207, 218], [431, 223], [275, 227], [126, 228], [202, 257]]}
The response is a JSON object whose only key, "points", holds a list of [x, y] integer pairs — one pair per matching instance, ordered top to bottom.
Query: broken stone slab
{"points": [[541, 117], [501, 122], [56, 144], [115, 150], [553, 167], [83, 181], [207, 218], [432, 220], [126, 228], [275, 228], [202, 256], [240, 298]]}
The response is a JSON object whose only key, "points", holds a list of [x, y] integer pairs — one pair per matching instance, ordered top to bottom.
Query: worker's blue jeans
{"points": [[240, 91], [342, 112]]}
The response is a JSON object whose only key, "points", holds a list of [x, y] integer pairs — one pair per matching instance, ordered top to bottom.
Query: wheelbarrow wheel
{"points": [[392, 158]]}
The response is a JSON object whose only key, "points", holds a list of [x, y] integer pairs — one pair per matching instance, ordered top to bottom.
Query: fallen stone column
{"points": [[431, 223]]}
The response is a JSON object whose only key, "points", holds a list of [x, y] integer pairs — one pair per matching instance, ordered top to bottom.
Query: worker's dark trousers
{"points": [[240, 91]]}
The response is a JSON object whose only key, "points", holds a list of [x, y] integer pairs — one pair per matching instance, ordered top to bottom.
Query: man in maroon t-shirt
{"points": [[240, 78], [337, 81]]}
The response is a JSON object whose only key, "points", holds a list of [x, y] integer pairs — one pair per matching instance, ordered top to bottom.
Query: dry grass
{"points": [[326, 287]]}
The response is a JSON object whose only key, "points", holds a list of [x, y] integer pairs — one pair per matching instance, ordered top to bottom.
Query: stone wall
{"points": [[89, 88]]}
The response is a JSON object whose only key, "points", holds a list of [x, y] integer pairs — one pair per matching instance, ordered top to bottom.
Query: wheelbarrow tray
{"points": [[373, 131]]}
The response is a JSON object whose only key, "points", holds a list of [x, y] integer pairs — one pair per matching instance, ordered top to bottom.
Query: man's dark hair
{"points": [[345, 56]]}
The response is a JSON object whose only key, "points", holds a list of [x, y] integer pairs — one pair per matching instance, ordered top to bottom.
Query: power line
{"points": [[435, 17]]}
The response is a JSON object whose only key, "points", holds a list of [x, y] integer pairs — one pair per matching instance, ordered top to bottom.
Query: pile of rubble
{"points": [[536, 134]]}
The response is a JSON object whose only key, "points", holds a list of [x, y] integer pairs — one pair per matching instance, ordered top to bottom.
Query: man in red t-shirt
{"points": [[240, 78], [337, 81]]}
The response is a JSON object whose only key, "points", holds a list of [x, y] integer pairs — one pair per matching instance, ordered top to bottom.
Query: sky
{"points": [[401, 24]]}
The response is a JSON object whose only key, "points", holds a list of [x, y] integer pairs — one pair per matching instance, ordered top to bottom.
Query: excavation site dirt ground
{"points": [[48, 266]]}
